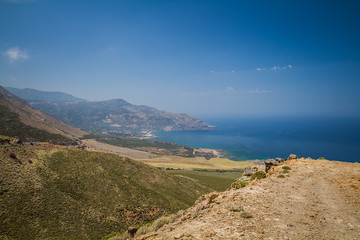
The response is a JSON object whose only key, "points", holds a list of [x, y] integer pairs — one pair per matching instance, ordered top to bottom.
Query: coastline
{"points": [[217, 153]]}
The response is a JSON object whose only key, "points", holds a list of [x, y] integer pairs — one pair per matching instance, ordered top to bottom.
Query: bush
{"points": [[12, 155], [321, 158], [286, 168], [285, 171], [258, 175], [281, 176], [240, 184], [235, 207], [246, 215], [158, 223]]}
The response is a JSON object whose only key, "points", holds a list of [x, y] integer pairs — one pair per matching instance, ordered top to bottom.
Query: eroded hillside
{"points": [[309, 199]]}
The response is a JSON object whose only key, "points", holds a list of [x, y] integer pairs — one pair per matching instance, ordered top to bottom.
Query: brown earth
{"points": [[35, 118], [317, 199]]}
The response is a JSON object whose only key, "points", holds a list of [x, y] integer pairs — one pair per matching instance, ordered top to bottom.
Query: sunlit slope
{"points": [[18, 118], [73, 194]]}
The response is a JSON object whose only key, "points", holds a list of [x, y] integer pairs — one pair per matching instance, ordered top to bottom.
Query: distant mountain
{"points": [[38, 96], [112, 116], [21, 120]]}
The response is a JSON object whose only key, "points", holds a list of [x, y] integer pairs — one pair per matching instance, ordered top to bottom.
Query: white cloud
{"points": [[14, 54], [275, 68], [260, 69], [212, 71], [233, 71], [13, 79], [230, 89], [256, 90]]}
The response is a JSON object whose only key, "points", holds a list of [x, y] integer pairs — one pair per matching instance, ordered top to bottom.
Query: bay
{"points": [[261, 138]]}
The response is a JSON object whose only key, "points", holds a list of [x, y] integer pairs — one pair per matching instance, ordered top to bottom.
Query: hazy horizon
{"points": [[203, 58]]}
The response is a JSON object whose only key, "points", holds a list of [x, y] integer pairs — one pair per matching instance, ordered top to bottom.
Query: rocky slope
{"points": [[115, 117], [21, 120], [313, 199]]}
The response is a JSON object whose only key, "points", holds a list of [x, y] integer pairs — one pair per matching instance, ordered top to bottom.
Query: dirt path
{"points": [[317, 199]]}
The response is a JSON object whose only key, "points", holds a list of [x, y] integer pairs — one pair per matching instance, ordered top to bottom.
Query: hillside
{"points": [[36, 95], [115, 117], [28, 124], [53, 192], [309, 199]]}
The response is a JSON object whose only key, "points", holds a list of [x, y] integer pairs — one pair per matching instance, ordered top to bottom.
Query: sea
{"points": [[334, 138]]}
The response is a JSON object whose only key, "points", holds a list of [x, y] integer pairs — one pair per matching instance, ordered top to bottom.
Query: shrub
{"points": [[12, 155], [321, 158], [286, 168], [285, 171], [258, 175], [281, 176], [240, 184], [235, 207], [246, 215], [158, 223]]}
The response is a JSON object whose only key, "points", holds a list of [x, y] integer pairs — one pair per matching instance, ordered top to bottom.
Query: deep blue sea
{"points": [[261, 138]]}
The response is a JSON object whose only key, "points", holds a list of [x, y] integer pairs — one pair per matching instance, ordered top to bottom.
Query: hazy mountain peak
{"points": [[30, 95], [115, 116]]}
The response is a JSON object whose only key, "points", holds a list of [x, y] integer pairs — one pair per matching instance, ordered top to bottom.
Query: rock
{"points": [[292, 156], [279, 159], [269, 163], [250, 171], [244, 178], [132, 231], [210, 234], [179, 235]]}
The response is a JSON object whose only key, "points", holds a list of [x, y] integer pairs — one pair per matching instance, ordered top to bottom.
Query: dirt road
{"points": [[317, 199]]}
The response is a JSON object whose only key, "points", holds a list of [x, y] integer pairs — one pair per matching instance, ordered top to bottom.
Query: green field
{"points": [[216, 180]]}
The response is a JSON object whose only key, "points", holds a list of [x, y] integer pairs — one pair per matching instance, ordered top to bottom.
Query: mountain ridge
{"points": [[114, 116], [23, 120]]}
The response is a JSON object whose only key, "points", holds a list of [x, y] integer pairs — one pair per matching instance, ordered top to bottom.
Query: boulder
{"points": [[292, 157], [269, 163], [250, 171]]}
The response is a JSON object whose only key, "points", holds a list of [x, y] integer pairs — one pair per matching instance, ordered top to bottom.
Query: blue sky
{"points": [[240, 58]]}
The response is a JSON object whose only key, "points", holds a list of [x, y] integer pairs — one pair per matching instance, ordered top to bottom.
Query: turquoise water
{"points": [[260, 138]]}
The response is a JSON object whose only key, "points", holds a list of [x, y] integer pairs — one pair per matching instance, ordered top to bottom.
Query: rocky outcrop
{"points": [[292, 157], [269, 163], [250, 171]]}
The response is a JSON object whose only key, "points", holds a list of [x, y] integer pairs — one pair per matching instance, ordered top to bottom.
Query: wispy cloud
{"points": [[15, 53], [275, 68], [232, 71], [229, 89], [257, 91]]}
